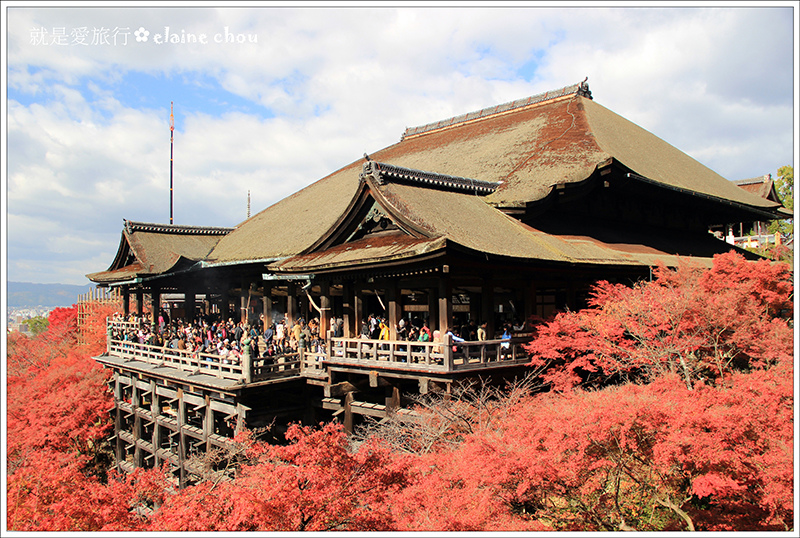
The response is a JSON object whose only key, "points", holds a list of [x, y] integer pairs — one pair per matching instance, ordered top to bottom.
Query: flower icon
{"points": [[141, 34]]}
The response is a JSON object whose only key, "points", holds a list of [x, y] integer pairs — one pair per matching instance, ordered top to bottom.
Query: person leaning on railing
{"points": [[246, 348]]}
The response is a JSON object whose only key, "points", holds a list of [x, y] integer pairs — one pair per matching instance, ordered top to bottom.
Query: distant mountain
{"points": [[21, 294]]}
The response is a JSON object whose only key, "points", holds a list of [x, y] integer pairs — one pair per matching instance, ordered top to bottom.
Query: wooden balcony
{"points": [[424, 357], [421, 358], [195, 363]]}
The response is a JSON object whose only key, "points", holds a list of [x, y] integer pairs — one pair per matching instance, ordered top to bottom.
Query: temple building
{"points": [[497, 217], [754, 234]]}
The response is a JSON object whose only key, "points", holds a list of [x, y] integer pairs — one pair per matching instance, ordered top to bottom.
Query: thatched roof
{"points": [[527, 148], [761, 186], [420, 228], [151, 249]]}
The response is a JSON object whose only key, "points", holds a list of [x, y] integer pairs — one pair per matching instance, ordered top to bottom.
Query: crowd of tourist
{"points": [[230, 342]]}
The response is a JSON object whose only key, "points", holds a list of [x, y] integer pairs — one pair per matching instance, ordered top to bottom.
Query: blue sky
{"points": [[310, 89]]}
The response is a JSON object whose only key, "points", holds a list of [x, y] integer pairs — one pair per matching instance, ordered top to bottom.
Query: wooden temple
{"points": [[498, 216]]}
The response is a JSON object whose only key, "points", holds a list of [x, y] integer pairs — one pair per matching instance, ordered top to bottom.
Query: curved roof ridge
{"points": [[580, 88], [383, 171], [754, 180], [131, 226]]}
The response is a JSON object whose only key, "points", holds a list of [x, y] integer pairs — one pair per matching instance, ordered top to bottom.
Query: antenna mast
{"points": [[171, 136], [248, 203]]}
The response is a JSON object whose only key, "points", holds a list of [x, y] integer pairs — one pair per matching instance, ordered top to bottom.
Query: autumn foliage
{"points": [[699, 324], [663, 406]]}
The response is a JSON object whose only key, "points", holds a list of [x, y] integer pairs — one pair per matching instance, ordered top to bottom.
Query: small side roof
{"points": [[761, 186], [151, 249]]}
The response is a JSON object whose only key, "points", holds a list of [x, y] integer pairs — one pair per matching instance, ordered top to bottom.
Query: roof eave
{"points": [[764, 213]]}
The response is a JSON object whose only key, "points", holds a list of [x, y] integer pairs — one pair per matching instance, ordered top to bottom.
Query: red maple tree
{"points": [[699, 324], [315, 483]]}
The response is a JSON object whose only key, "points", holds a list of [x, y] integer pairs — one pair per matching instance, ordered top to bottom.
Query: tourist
{"points": [[424, 333], [481, 333]]}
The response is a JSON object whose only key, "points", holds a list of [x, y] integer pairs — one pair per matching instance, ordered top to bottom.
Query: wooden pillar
{"points": [[155, 300], [445, 301], [530, 301], [139, 302], [189, 305], [224, 305], [267, 305], [291, 305], [475, 306], [487, 306], [126, 307], [244, 307], [325, 307], [393, 307], [305, 308], [433, 308], [358, 311], [349, 319], [447, 340], [247, 369], [392, 399], [136, 400], [155, 411], [348, 413], [240, 419], [208, 423], [181, 439], [118, 446]]}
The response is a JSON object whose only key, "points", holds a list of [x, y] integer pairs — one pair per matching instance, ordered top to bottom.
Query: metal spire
{"points": [[171, 138]]}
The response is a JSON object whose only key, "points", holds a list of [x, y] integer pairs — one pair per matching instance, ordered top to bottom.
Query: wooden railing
{"points": [[121, 326], [474, 355], [446, 356], [439, 357], [180, 359], [248, 371]]}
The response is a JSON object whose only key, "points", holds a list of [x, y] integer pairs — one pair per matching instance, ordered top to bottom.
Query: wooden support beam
{"points": [[244, 296], [530, 300], [139, 302], [445, 302], [155, 304], [189, 305], [225, 305], [267, 305], [291, 306], [487, 306], [126, 307], [325, 307], [433, 307], [394, 308], [358, 312], [349, 319], [376, 380], [424, 385], [338, 389], [393, 397], [136, 403], [241, 411], [348, 413], [208, 423], [181, 440], [118, 448]]}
